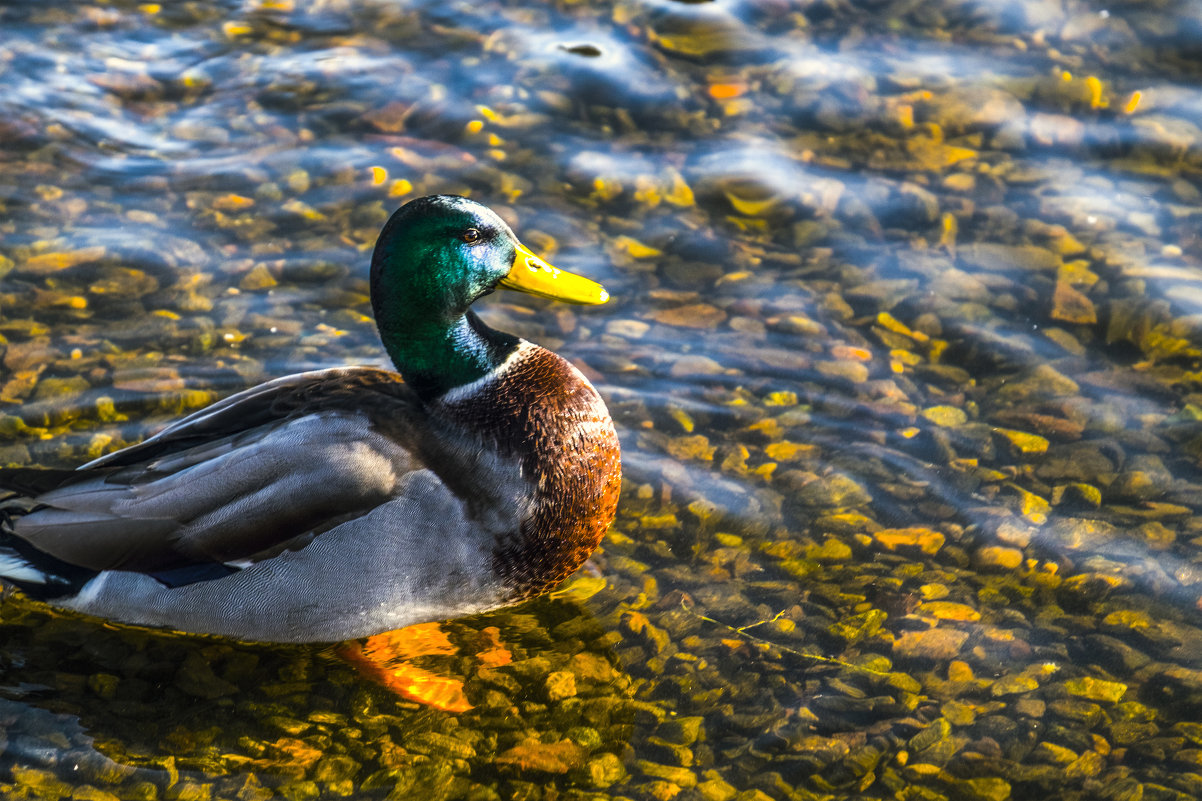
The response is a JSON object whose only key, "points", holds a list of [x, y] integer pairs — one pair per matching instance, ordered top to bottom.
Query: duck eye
{"points": [[471, 236]]}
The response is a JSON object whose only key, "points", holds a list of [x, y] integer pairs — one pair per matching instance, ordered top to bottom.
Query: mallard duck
{"points": [[341, 503]]}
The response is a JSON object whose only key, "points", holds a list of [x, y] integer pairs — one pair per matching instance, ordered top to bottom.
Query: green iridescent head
{"points": [[435, 257]]}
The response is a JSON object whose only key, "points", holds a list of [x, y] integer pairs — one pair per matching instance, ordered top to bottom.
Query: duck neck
{"points": [[437, 356]]}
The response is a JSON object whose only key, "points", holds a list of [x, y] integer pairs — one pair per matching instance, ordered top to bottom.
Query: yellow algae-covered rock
{"points": [[970, 106], [932, 155], [960, 182], [679, 193], [233, 202], [303, 209], [1064, 242], [635, 249], [53, 262], [1077, 273], [258, 278], [124, 282], [1072, 306], [891, 323], [851, 353], [901, 359], [1043, 381], [782, 398], [947, 416], [682, 418], [1045, 424], [770, 427], [1021, 442], [98, 445], [694, 447], [788, 451], [735, 461], [829, 491], [1077, 494], [1033, 507], [654, 522], [846, 523], [1082, 533], [1156, 535], [926, 540], [831, 550], [993, 556], [1094, 585], [949, 610], [1128, 619], [638, 624], [859, 627], [936, 644], [559, 685], [1013, 685], [1096, 689], [959, 713], [681, 730], [1055, 754], [532, 755], [1086, 766], [604, 770], [922, 771], [681, 777], [43, 781], [986, 788], [716, 789], [87, 792]]}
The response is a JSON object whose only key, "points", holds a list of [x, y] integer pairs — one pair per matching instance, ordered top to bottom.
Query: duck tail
{"points": [[31, 481], [39, 575]]}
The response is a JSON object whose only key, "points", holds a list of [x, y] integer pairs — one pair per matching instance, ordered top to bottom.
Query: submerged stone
{"points": [[991, 257], [925, 540], [931, 644], [1096, 689], [681, 730], [532, 755], [605, 770], [681, 777], [716, 790]]}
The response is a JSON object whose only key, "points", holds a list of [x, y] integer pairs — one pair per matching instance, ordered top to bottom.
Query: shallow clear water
{"points": [[903, 351]]}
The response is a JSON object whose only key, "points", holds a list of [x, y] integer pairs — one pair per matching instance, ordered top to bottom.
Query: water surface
{"points": [[903, 352]]}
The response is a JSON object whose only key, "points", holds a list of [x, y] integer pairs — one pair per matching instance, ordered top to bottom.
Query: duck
{"points": [[345, 502]]}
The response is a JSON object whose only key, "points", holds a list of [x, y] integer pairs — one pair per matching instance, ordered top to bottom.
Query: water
{"points": [[904, 355]]}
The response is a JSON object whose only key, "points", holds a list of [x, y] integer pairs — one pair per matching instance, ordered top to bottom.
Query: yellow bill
{"points": [[532, 275]]}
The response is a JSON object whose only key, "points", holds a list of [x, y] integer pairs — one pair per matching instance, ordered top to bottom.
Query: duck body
{"points": [[345, 502]]}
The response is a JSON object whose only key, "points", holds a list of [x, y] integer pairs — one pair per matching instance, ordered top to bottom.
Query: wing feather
{"points": [[253, 474]]}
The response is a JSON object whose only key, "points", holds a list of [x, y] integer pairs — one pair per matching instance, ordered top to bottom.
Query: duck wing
{"points": [[257, 473]]}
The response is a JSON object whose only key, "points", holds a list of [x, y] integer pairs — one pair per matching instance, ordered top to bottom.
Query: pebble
{"points": [[696, 315], [931, 644], [605, 770]]}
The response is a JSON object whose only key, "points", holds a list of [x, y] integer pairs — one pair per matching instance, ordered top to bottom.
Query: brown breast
{"points": [[542, 411]]}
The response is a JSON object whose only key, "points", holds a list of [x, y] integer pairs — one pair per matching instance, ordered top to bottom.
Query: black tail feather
{"points": [[34, 480], [36, 573]]}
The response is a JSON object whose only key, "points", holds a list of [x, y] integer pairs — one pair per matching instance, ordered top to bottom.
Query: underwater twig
{"points": [[742, 632]]}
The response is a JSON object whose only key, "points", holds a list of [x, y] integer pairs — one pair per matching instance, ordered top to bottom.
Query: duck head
{"points": [[435, 257]]}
